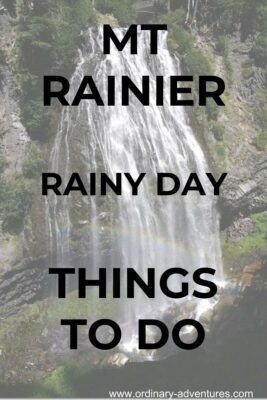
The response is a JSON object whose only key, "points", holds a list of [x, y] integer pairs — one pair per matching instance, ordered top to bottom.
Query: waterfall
{"points": [[192, 6], [144, 231]]}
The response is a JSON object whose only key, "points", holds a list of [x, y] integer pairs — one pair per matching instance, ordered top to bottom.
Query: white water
{"points": [[142, 231]]}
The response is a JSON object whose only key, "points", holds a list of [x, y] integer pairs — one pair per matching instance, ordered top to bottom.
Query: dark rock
{"points": [[244, 190], [22, 285]]}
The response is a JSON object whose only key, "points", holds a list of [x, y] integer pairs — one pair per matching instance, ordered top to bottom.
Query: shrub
{"points": [[10, 5], [121, 9], [177, 30], [48, 34], [221, 45], [259, 50], [193, 60], [196, 63], [247, 69], [212, 110], [37, 118], [218, 130], [260, 141], [33, 162], [3, 164], [14, 202], [255, 242]]}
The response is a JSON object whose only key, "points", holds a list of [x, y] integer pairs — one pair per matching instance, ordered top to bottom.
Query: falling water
{"points": [[192, 6], [144, 231]]}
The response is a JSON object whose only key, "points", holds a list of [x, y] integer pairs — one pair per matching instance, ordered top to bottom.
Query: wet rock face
{"points": [[245, 190], [21, 285]]}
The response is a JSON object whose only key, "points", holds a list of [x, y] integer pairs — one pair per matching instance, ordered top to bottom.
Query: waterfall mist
{"points": [[144, 231]]}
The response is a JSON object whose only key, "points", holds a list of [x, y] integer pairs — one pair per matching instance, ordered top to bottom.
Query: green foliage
{"points": [[10, 5], [123, 10], [229, 13], [249, 15], [68, 21], [177, 31], [48, 34], [181, 41], [34, 42], [221, 45], [259, 50], [193, 60], [196, 63], [247, 70], [212, 110], [261, 112], [260, 116], [37, 119], [218, 130], [260, 142], [221, 151], [33, 161], [3, 164], [14, 202], [260, 219], [255, 242], [63, 381], [58, 384]]}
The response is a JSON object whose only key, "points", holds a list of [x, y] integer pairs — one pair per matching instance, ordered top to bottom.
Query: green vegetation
{"points": [[10, 5], [122, 10], [249, 15], [223, 17], [177, 30], [48, 33], [221, 45], [222, 48], [259, 51], [194, 61], [247, 69], [212, 111], [260, 116], [218, 130], [260, 142], [221, 151], [33, 162], [3, 164], [14, 202], [255, 242], [73, 307], [53, 310], [46, 315], [64, 382], [60, 383]]}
